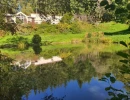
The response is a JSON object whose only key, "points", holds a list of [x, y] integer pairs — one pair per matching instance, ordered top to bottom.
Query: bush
{"points": [[67, 18], [63, 27], [47, 28], [75, 28], [26, 29], [2, 33], [96, 37], [17, 39], [36, 39], [105, 40], [17, 42], [21, 45], [37, 49]]}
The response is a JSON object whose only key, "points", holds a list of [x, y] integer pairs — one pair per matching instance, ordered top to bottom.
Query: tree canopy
{"points": [[119, 9]]}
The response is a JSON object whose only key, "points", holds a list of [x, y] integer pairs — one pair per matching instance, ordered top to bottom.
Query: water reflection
{"points": [[37, 49], [76, 78], [94, 90], [115, 92]]}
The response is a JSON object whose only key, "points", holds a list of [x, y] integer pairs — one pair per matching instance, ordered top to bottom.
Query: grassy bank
{"points": [[114, 31]]}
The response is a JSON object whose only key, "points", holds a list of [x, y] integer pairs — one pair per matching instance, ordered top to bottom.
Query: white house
{"points": [[21, 16], [33, 18], [36, 18], [53, 19], [56, 20]]}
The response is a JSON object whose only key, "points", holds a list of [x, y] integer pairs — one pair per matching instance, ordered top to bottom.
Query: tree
{"points": [[7, 6], [77, 7], [119, 8], [36, 40]]}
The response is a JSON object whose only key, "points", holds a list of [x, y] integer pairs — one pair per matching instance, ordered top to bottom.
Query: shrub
{"points": [[67, 18], [63, 27], [47, 28], [75, 28], [26, 29], [2, 33], [89, 35], [96, 37], [36, 39], [105, 40], [20, 42], [21, 45], [37, 49]]}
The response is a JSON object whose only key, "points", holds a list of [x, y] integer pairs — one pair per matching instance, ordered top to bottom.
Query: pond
{"points": [[83, 74]]}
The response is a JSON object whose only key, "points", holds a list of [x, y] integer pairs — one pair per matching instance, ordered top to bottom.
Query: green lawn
{"points": [[114, 31]]}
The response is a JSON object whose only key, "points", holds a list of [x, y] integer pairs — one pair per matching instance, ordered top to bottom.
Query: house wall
{"points": [[33, 18], [37, 18]]}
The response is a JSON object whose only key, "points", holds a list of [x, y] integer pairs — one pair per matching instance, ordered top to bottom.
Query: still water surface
{"points": [[77, 77], [94, 90]]}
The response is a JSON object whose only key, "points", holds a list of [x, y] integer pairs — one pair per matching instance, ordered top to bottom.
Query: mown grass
{"points": [[112, 27], [114, 31], [61, 38], [118, 38]]}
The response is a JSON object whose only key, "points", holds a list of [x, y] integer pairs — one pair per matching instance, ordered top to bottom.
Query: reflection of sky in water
{"points": [[95, 90]]}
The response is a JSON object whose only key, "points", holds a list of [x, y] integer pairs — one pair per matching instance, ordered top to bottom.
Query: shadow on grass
{"points": [[123, 32]]}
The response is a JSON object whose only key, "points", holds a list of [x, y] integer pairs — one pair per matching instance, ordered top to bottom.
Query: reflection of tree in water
{"points": [[36, 41], [37, 49], [5, 59], [124, 67], [84, 70], [122, 73], [15, 84], [114, 93], [51, 97]]}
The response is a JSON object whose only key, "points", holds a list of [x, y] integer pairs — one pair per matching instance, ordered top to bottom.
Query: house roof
{"points": [[22, 14]]}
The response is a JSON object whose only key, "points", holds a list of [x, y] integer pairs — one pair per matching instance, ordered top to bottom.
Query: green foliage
{"points": [[118, 1], [104, 2], [7, 6], [65, 6], [128, 6], [118, 8], [106, 17], [67, 18], [11, 27], [65, 27], [46, 28], [75, 28], [2, 33], [89, 35], [96, 37], [17, 39], [36, 39], [19, 42], [36, 43], [123, 43], [21, 45], [37, 49], [123, 54], [5, 60], [124, 69], [114, 93]]}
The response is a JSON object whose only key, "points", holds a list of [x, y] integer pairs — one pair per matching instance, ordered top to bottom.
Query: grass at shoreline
{"points": [[108, 28], [55, 49]]}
